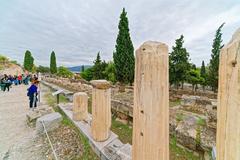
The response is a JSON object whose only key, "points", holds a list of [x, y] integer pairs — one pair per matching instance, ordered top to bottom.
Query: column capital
{"points": [[100, 84]]}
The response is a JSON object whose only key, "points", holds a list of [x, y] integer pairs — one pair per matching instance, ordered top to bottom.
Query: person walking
{"points": [[20, 79], [32, 94]]}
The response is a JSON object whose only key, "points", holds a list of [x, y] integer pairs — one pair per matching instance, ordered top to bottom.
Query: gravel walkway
{"points": [[17, 140]]}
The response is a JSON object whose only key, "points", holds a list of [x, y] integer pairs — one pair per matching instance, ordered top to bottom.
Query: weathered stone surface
{"points": [[101, 84], [73, 85], [174, 93], [189, 100], [195, 100], [151, 103], [199, 105], [80, 106], [122, 107], [42, 110], [101, 113], [32, 116], [211, 117], [51, 122], [183, 125], [228, 126], [110, 151], [125, 152]]}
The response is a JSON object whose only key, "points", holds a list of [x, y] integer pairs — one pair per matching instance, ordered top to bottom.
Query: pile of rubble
{"points": [[193, 123]]}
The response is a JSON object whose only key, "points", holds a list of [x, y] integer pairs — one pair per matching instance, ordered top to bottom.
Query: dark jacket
{"points": [[32, 89]]}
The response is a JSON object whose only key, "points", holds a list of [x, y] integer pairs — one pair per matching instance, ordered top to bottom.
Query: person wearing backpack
{"points": [[32, 94]]}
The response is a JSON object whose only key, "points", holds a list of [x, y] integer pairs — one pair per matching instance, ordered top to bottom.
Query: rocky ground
{"points": [[66, 143]]}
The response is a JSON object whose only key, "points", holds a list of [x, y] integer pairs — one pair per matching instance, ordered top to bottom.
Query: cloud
{"points": [[76, 30]]}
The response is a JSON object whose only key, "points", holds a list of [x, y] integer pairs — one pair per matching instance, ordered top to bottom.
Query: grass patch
{"points": [[63, 99], [201, 122], [123, 131], [178, 153], [87, 154]]}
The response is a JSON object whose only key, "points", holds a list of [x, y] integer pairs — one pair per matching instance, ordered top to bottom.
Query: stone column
{"points": [[151, 103], [80, 106], [101, 110], [228, 110]]}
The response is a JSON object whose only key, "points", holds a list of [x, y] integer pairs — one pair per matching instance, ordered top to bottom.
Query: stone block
{"points": [[32, 116], [51, 122], [109, 151], [125, 152]]}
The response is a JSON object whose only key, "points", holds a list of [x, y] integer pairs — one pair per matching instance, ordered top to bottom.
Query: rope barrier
{"points": [[54, 153]]}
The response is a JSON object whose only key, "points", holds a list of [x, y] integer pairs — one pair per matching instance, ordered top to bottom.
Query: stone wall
{"points": [[72, 85]]}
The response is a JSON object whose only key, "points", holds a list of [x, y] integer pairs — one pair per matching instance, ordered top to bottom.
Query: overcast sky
{"points": [[77, 29]]}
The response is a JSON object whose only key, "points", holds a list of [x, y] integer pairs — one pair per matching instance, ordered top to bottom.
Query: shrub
{"points": [[64, 72]]}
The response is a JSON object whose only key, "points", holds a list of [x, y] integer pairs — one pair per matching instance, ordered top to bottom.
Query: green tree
{"points": [[124, 56], [28, 61], [214, 62], [53, 63], [179, 63], [32, 64], [82, 68], [98, 68], [43, 69], [203, 70], [64, 72], [110, 72], [87, 74], [203, 74], [194, 78]]}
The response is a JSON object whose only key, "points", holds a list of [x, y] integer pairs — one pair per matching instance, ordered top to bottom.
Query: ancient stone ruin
{"points": [[193, 121]]}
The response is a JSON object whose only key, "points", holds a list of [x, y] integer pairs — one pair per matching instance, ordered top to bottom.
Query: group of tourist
{"points": [[6, 81]]}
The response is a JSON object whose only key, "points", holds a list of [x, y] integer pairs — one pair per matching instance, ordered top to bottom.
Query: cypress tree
{"points": [[124, 59], [28, 61], [214, 62], [31, 63], [179, 63], [53, 64], [98, 68], [82, 69], [203, 70], [203, 75]]}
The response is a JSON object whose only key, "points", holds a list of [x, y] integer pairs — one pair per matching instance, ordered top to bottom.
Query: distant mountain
{"points": [[77, 69]]}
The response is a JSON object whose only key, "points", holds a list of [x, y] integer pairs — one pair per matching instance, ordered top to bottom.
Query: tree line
{"points": [[29, 66], [121, 69], [181, 70]]}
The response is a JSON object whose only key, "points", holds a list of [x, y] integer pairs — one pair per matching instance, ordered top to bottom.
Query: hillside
{"points": [[9, 67]]}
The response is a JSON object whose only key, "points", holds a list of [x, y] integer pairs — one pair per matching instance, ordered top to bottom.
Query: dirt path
{"points": [[17, 139]]}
